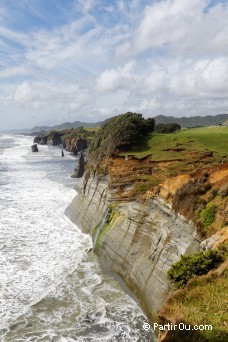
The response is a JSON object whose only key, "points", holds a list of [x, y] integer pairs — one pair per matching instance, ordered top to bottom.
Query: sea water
{"points": [[51, 287]]}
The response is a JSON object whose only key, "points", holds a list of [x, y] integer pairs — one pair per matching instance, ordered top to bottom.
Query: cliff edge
{"points": [[145, 212], [139, 240]]}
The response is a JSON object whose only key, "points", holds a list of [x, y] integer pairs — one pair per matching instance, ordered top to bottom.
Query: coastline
{"points": [[88, 209], [142, 222], [61, 290]]}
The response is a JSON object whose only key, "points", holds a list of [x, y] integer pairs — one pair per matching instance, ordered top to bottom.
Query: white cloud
{"points": [[180, 26], [49, 50], [155, 57], [13, 71], [118, 78], [206, 78], [23, 93], [44, 96], [149, 105]]}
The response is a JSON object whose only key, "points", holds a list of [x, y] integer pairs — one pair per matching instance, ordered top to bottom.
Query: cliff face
{"points": [[73, 140], [144, 198], [139, 240]]}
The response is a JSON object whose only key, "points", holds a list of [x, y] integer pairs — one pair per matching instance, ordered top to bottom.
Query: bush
{"points": [[167, 128], [119, 133], [207, 215], [194, 265]]}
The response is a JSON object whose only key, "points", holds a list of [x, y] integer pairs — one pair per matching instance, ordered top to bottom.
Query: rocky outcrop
{"points": [[49, 138], [37, 139], [41, 139], [54, 139], [72, 140], [81, 144], [75, 145], [34, 148], [79, 170], [138, 240], [215, 240]]}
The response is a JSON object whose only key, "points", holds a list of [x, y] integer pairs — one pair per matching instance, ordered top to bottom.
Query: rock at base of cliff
{"points": [[34, 148], [79, 170]]}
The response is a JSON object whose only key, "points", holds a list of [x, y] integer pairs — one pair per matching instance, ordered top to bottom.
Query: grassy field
{"points": [[176, 145], [170, 155], [201, 302]]}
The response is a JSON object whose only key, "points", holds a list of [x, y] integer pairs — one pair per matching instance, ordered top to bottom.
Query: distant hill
{"points": [[193, 121], [66, 125], [63, 126]]}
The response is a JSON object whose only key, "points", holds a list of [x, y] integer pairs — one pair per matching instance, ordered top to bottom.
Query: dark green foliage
{"points": [[193, 121], [148, 126], [159, 127], [167, 128], [76, 133], [119, 133], [207, 215], [194, 265]]}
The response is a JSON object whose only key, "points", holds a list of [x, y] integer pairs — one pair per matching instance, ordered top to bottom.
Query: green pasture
{"points": [[176, 145]]}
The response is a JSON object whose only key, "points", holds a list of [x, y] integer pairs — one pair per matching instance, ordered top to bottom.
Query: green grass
{"points": [[92, 129], [202, 140], [201, 302]]}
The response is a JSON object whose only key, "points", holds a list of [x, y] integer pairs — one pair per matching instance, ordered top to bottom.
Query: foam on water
{"points": [[38, 244], [51, 288]]}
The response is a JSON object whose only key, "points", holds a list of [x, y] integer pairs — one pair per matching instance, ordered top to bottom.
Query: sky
{"points": [[87, 60]]}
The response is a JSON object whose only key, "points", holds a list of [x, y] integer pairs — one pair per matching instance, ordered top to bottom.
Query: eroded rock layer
{"points": [[139, 240]]}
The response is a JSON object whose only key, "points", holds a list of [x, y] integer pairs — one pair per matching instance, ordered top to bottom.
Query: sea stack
{"points": [[34, 148]]}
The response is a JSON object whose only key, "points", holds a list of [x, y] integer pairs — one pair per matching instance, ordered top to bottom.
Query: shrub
{"points": [[167, 128], [119, 133], [207, 215], [194, 265]]}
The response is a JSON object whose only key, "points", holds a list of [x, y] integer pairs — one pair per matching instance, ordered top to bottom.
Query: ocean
{"points": [[52, 288]]}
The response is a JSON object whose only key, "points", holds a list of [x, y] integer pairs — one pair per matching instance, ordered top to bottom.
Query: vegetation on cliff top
{"points": [[168, 128], [79, 132], [119, 133], [176, 145], [185, 152], [198, 153], [140, 166], [190, 266], [200, 299], [201, 303]]}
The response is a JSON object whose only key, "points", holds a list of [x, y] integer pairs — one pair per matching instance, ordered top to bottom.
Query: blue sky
{"points": [[68, 60]]}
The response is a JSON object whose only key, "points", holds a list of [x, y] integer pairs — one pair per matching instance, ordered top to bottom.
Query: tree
{"points": [[167, 128], [119, 133]]}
